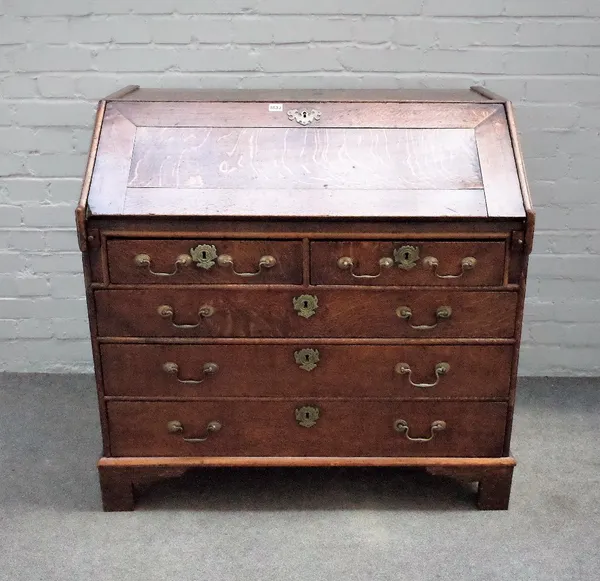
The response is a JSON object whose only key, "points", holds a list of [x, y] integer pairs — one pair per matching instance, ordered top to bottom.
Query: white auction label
{"points": [[275, 107]]}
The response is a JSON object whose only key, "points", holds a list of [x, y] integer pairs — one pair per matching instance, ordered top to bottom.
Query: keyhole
{"points": [[304, 114], [204, 254], [406, 256], [306, 304], [307, 357], [307, 415]]}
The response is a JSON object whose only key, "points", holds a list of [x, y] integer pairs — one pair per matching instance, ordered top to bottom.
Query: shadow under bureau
{"points": [[325, 278]]}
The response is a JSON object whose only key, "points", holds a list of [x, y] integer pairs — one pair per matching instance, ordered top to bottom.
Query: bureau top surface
{"points": [[327, 154]]}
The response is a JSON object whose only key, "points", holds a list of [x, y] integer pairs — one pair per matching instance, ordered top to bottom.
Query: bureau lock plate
{"points": [[204, 255], [406, 257], [306, 305], [307, 359], [307, 415]]}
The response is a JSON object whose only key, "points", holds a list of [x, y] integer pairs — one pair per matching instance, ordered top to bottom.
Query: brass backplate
{"points": [[304, 116], [204, 255], [406, 257], [306, 305], [307, 359], [307, 415]]}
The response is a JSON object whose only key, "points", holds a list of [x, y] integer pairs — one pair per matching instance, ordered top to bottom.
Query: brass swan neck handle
{"points": [[144, 260], [266, 261], [347, 263], [466, 264], [167, 312], [441, 313], [208, 369], [441, 369], [436, 426], [176, 427]]}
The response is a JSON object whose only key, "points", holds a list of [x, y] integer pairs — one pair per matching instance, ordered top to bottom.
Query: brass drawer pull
{"points": [[142, 260], [264, 262], [346, 263], [466, 264], [166, 312], [440, 314], [441, 368], [208, 369], [176, 427], [402, 427]]}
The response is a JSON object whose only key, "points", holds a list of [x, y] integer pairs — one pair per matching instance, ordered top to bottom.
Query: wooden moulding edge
{"points": [[122, 93], [488, 94], [526, 192], [81, 210], [249, 461]]}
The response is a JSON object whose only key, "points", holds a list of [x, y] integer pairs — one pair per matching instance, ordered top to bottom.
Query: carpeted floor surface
{"points": [[291, 524]]}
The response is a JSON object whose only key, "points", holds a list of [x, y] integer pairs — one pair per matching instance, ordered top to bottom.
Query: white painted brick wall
{"points": [[58, 57]]}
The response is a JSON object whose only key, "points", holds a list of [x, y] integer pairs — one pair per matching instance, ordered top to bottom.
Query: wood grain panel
{"points": [[237, 114], [304, 158], [113, 160], [499, 169], [246, 255], [488, 270], [265, 312], [476, 371], [269, 428]]}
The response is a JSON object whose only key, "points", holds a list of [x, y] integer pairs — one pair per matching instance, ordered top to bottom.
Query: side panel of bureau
{"points": [[271, 313], [270, 428]]}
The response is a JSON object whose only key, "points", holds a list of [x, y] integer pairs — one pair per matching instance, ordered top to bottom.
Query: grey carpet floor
{"points": [[291, 524]]}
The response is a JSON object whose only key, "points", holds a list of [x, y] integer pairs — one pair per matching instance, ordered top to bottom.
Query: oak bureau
{"points": [[323, 278]]}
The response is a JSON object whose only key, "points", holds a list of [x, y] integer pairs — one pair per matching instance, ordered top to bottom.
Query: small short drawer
{"points": [[195, 261], [408, 263], [269, 312], [307, 370], [302, 427]]}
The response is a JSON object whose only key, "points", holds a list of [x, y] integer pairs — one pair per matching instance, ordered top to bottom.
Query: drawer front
{"points": [[195, 261], [406, 264], [255, 312], [392, 371], [329, 428]]}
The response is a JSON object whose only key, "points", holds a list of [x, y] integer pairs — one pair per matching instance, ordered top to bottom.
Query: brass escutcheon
{"points": [[304, 116], [204, 255], [406, 257], [306, 305], [307, 359], [307, 415]]}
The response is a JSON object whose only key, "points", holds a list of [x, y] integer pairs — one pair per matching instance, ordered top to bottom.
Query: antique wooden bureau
{"points": [[325, 278]]}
